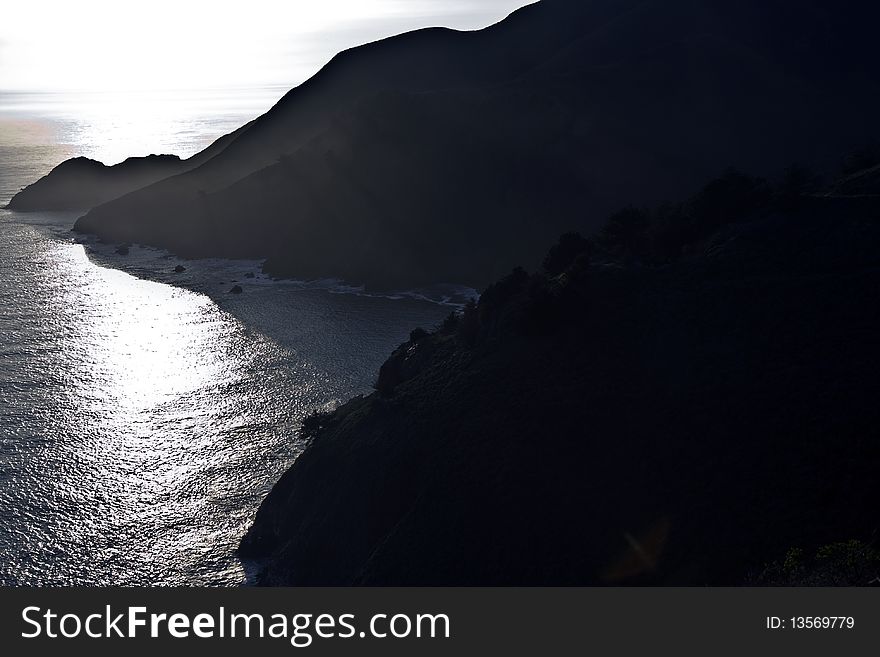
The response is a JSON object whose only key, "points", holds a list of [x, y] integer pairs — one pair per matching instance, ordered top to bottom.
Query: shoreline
{"points": [[145, 262]]}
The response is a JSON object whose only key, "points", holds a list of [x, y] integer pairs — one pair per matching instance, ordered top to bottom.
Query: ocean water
{"points": [[144, 414]]}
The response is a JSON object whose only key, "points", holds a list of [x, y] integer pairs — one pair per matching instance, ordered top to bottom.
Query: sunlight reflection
{"points": [[113, 126], [149, 344], [157, 356], [143, 423]]}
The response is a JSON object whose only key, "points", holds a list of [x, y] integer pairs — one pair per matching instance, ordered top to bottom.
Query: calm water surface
{"points": [[141, 422]]}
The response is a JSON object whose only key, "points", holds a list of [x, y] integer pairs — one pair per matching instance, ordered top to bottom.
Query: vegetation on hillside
{"points": [[673, 400]]}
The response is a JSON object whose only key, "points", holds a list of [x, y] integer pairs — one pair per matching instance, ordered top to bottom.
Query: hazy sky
{"points": [[115, 45]]}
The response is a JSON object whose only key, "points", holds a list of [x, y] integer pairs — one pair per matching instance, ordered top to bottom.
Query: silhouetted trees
{"points": [[797, 182], [729, 198], [671, 229], [625, 232], [663, 234], [563, 254], [495, 301], [531, 304], [450, 324], [469, 325], [418, 334], [314, 423], [848, 563]]}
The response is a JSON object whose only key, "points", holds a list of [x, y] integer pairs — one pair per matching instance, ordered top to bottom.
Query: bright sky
{"points": [[117, 45]]}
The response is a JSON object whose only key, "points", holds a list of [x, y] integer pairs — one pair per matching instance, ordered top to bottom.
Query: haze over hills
{"points": [[442, 156], [81, 183]]}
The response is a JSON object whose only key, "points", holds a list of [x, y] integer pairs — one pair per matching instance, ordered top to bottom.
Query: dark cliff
{"points": [[675, 401]]}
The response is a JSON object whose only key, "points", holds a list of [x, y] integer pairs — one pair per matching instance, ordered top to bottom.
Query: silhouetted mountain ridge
{"points": [[446, 156]]}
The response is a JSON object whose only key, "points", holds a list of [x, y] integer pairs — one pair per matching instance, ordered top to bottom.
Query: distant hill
{"points": [[442, 156], [81, 183], [676, 401]]}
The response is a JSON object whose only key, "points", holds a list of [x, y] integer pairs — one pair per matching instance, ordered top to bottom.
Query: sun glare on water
{"points": [[112, 126], [154, 383]]}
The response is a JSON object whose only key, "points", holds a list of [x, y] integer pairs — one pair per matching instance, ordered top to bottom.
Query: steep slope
{"points": [[413, 62], [439, 156], [677, 420]]}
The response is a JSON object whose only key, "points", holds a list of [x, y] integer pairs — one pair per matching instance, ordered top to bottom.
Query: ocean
{"points": [[145, 413]]}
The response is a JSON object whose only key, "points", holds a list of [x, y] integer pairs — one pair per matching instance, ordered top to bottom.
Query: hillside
{"points": [[440, 156], [80, 183], [676, 401]]}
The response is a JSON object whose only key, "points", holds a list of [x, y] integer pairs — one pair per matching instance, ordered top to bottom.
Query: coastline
{"points": [[157, 264], [128, 367]]}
